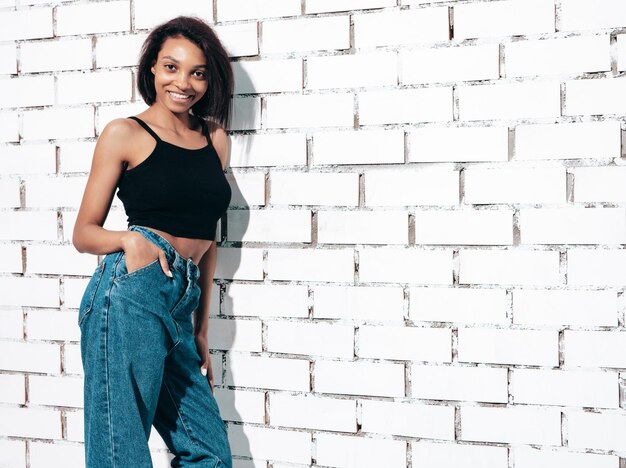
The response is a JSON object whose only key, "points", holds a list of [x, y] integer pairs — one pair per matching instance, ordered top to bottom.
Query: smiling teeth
{"points": [[180, 96]]}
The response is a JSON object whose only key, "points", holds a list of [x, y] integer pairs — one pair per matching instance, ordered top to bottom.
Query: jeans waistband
{"points": [[175, 259]]}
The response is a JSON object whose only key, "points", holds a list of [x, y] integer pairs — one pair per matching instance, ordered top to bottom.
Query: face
{"points": [[180, 77]]}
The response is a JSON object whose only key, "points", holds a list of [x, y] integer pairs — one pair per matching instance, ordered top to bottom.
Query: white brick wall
{"points": [[424, 259]]}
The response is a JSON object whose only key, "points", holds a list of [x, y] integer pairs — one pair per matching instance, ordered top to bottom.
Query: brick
{"points": [[323, 6], [229, 10], [149, 13], [581, 14], [90, 18], [508, 18], [32, 23], [401, 27], [304, 34], [240, 39], [119, 51], [621, 52], [64, 54], [574, 55], [8, 58], [445, 64], [352, 71], [267, 76], [94, 87], [27, 91], [594, 97], [510, 100], [405, 106], [311, 110], [246, 113], [58, 123], [8, 128], [568, 140], [458, 144], [358, 147], [278, 149], [29, 159], [600, 184], [515, 185], [402, 187], [303, 188], [249, 189], [54, 192], [10, 193], [28, 225], [271, 225], [572, 225], [363, 227], [467, 227], [11, 258], [244, 263], [328, 265], [405, 265], [519, 267], [596, 267], [265, 300], [358, 303], [458, 305], [565, 307], [52, 325], [235, 335], [315, 339], [405, 343], [508, 346], [595, 348], [32, 357], [267, 372], [359, 378], [459, 383], [12, 388], [565, 388], [55, 391], [241, 405], [313, 412], [408, 419], [34, 423], [514, 425], [604, 431], [268, 443], [359, 452], [13, 453], [42, 454], [440, 455], [528, 457]]}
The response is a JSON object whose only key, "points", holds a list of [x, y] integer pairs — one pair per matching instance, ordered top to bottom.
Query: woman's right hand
{"points": [[139, 252]]}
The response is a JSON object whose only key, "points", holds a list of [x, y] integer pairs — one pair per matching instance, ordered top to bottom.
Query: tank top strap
{"points": [[145, 126]]}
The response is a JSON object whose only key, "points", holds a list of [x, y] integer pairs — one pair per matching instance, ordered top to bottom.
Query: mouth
{"points": [[178, 97]]}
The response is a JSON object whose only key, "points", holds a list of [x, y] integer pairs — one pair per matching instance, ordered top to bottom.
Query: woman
{"points": [[146, 359]]}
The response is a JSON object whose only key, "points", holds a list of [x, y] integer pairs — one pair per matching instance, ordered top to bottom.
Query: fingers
{"points": [[164, 264]]}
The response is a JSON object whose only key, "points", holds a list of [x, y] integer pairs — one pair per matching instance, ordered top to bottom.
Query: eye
{"points": [[169, 65], [202, 75]]}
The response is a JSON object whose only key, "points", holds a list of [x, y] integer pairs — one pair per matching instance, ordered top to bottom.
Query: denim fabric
{"points": [[141, 366]]}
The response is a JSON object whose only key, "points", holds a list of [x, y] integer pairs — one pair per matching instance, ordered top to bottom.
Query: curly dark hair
{"points": [[216, 101]]}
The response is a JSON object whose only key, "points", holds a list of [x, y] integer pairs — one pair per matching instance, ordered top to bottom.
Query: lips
{"points": [[178, 97]]}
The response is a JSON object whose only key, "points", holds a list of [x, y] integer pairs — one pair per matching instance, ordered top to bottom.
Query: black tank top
{"points": [[180, 191]]}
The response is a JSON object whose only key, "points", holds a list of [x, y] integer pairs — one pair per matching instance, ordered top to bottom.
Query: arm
{"points": [[106, 168]]}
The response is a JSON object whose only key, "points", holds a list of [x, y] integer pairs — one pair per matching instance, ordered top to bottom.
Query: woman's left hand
{"points": [[202, 346]]}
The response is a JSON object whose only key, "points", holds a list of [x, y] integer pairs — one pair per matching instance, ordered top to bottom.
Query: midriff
{"points": [[185, 246]]}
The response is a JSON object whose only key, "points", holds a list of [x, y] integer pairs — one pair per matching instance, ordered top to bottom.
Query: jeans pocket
{"points": [[143, 269], [89, 295]]}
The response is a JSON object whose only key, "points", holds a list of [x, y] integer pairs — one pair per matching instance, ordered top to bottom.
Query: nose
{"points": [[182, 81]]}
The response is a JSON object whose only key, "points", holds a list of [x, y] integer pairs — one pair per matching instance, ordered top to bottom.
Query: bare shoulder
{"points": [[114, 139], [220, 141]]}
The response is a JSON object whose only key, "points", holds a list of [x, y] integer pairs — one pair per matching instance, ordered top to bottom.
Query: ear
{"points": [[152, 67]]}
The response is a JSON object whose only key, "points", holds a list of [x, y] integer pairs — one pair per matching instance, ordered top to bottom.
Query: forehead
{"points": [[181, 49]]}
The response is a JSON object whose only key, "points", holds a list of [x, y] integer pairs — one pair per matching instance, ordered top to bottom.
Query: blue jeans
{"points": [[141, 367]]}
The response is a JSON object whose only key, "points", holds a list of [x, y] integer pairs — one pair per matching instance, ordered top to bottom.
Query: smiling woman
{"points": [[146, 363]]}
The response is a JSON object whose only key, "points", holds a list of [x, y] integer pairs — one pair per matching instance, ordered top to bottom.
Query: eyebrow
{"points": [[200, 65]]}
